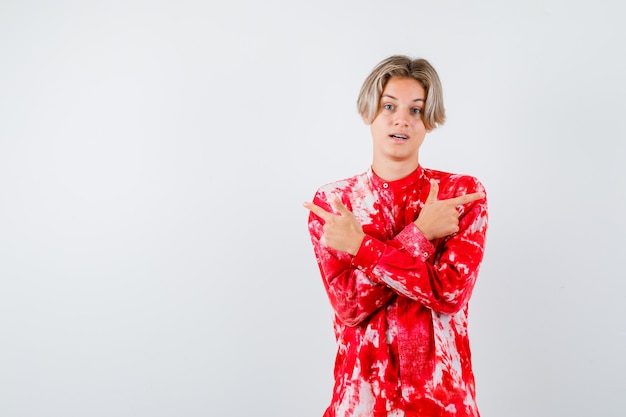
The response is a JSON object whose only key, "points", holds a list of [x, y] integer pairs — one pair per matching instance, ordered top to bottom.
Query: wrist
{"points": [[424, 230], [354, 250]]}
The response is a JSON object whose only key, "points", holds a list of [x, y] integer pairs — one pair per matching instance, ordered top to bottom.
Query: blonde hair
{"points": [[404, 67]]}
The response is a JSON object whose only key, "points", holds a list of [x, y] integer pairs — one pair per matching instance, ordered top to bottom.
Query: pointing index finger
{"points": [[467, 198], [314, 208]]}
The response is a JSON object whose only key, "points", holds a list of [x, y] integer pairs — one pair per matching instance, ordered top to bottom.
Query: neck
{"points": [[392, 171]]}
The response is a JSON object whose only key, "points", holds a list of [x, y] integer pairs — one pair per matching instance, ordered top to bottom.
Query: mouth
{"points": [[398, 137]]}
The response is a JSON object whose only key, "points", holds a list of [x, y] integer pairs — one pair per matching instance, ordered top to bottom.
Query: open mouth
{"points": [[399, 137]]}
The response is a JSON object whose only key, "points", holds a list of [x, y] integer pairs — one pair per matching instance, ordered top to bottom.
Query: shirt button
{"points": [[385, 185], [425, 254]]}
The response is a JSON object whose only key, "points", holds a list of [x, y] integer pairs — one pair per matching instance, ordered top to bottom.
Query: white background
{"points": [[154, 257]]}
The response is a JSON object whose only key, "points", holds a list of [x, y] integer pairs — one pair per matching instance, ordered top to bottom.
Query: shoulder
{"points": [[452, 184], [343, 186]]}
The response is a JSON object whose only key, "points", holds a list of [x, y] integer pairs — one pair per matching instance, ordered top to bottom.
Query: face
{"points": [[398, 130]]}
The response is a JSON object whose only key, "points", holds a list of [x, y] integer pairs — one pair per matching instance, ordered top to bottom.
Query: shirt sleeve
{"points": [[442, 281], [352, 293]]}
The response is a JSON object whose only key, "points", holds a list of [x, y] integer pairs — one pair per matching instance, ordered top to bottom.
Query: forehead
{"points": [[404, 88]]}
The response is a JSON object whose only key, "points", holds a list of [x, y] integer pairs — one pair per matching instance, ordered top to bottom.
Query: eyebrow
{"points": [[393, 98]]}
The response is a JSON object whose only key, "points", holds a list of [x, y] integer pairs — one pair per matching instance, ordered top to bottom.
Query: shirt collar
{"points": [[411, 179]]}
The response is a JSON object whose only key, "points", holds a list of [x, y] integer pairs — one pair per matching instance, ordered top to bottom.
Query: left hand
{"points": [[440, 218], [342, 231]]}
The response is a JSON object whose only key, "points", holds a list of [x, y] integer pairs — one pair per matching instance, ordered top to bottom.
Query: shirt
{"points": [[401, 303]]}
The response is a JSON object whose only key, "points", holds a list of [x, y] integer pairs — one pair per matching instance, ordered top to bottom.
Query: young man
{"points": [[399, 247]]}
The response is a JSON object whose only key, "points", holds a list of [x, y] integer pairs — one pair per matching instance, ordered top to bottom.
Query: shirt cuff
{"points": [[414, 242], [368, 255]]}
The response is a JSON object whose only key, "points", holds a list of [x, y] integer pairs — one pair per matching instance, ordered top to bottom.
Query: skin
{"points": [[400, 113], [397, 134]]}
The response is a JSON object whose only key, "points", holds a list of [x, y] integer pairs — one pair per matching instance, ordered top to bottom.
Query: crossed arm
{"points": [[438, 218], [359, 284]]}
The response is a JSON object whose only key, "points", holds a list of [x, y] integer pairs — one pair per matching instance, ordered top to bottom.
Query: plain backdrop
{"points": [[154, 157]]}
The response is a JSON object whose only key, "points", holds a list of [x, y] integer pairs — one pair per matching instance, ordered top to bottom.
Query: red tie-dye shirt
{"points": [[401, 302]]}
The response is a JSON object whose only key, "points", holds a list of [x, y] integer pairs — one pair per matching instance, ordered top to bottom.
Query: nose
{"points": [[400, 120]]}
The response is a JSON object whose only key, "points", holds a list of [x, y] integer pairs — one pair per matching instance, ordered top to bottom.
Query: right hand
{"points": [[440, 218], [342, 231]]}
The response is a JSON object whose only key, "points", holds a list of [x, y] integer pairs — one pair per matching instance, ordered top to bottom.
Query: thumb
{"points": [[434, 191], [339, 206]]}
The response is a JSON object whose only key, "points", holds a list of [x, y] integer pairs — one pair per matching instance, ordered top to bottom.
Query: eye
{"points": [[388, 106], [416, 110]]}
